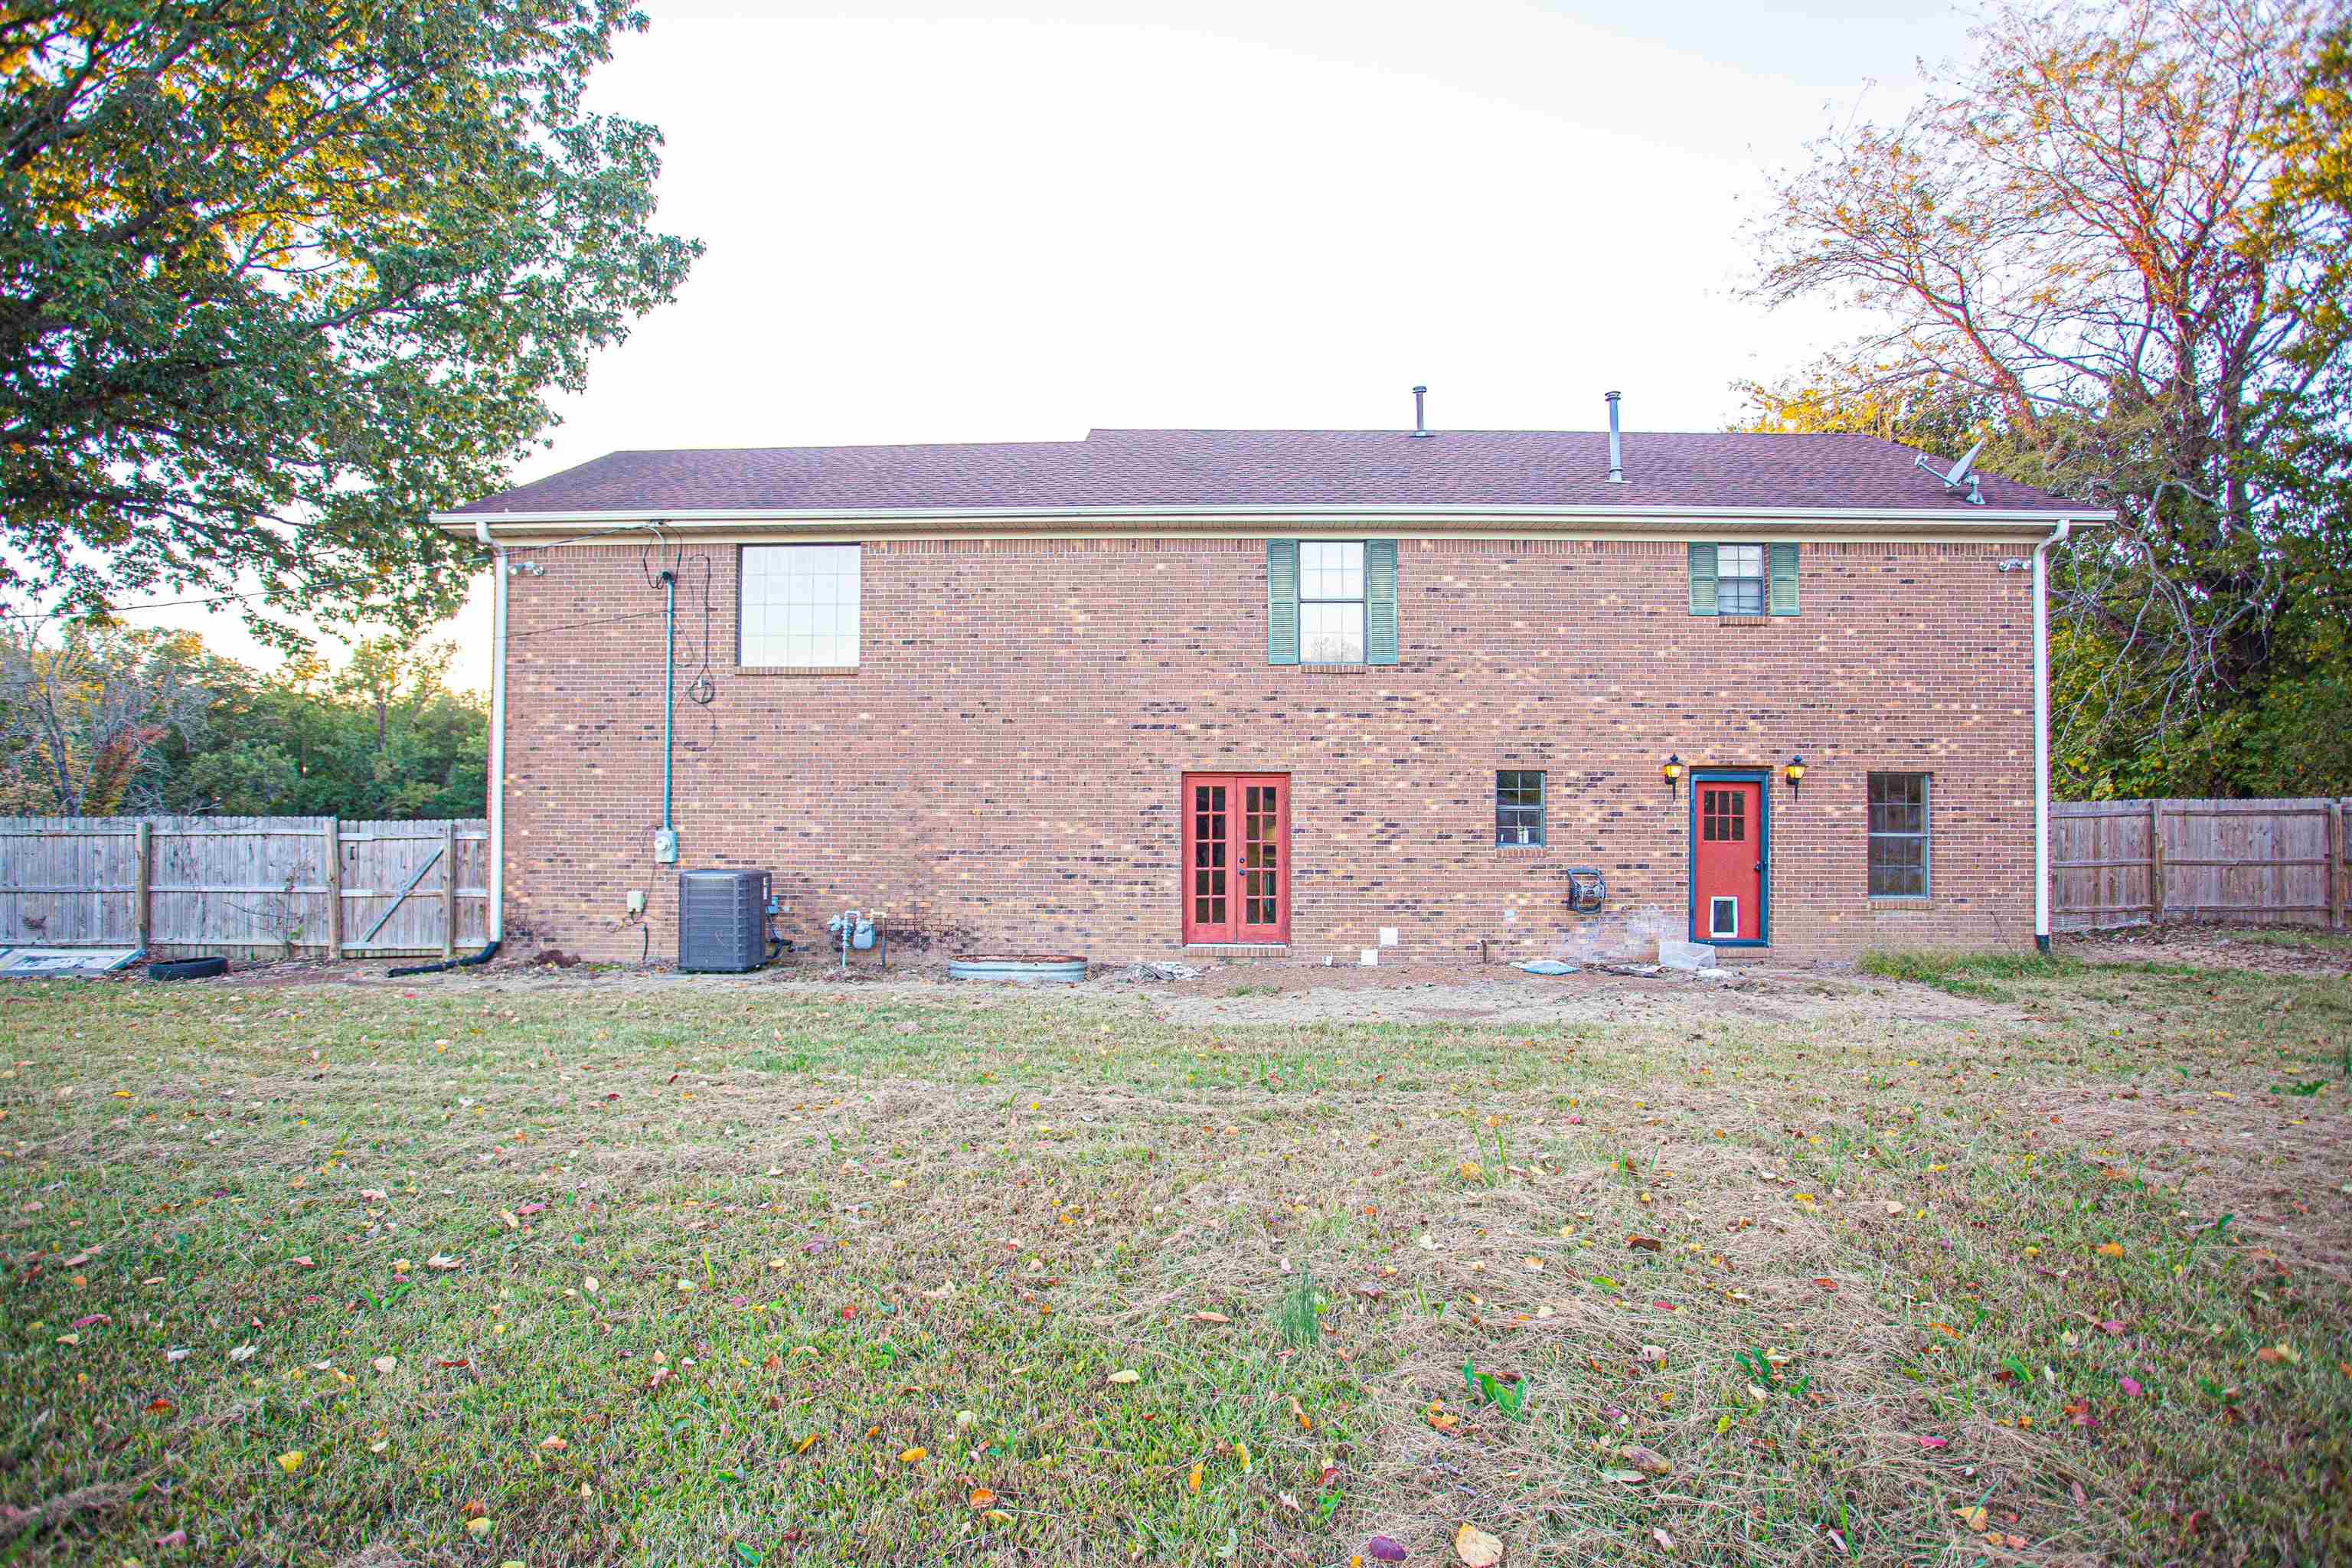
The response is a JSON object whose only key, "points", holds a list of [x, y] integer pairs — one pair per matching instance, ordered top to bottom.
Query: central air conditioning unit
{"points": [[722, 922]]}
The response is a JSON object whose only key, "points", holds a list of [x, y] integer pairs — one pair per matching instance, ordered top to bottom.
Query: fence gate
{"points": [[248, 887]]}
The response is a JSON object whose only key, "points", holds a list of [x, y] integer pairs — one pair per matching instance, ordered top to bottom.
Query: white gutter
{"points": [[1969, 519], [2041, 731], [498, 912]]}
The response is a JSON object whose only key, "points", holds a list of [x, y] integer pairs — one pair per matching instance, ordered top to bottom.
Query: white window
{"points": [[1740, 580], [1331, 602], [800, 606]]}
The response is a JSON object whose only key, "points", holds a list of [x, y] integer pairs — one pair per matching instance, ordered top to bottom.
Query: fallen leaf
{"points": [[1645, 1243], [2111, 1249], [443, 1262], [1214, 1320], [242, 1353], [384, 1364], [1124, 1376], [1935, 1442], [915, 1455], [291, 1460], [1646, 1460], [982, 1497], [1974, 1518], [480, 1527], [1663, 1540], [1475, 1547], [1380, 1548]]}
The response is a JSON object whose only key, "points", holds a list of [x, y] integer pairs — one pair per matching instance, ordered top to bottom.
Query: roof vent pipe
{"points": [[1419, 424], [1616, 444]]}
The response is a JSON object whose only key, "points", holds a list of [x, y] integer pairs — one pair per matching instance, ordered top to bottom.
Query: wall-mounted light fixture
{"points": [[1671, 770], [1795, 772]]}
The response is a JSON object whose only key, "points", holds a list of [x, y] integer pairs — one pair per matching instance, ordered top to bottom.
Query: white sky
{"points": [[1017, 220]]}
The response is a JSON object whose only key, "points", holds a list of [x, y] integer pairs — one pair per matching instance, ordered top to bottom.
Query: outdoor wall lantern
{"points": [[1672, 771], [1796, 773]]}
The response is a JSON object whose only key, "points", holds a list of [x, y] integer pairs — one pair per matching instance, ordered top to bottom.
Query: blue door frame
{"points": [[1763, 778]]}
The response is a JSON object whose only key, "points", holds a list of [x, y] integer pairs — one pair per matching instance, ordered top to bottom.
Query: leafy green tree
{"points": [[2115, 245], [278, 276]]}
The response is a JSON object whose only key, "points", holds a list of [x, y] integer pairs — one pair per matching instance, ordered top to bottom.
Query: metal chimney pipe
{"points": [[1420, 425], [1616, 444]]}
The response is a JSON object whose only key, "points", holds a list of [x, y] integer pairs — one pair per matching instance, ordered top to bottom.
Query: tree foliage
{"points": [[2115, 245], [278, 276], [82, 713], [97, 721]]}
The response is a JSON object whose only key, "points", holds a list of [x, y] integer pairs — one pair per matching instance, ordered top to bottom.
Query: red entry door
{"points": [[1237, 857], [1727, 862]]}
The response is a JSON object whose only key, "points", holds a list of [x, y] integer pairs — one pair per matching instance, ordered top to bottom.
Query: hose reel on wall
{"points": [[1588, 890]]}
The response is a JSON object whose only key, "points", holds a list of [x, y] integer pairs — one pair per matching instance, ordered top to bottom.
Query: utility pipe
{"points": [[670, 687], [2041, 731], [498, 912]]}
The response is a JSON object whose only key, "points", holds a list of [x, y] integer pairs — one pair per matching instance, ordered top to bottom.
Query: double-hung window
{"points": [[1743, 579], [1331, 601], [800, 606], [1518, 806], [1898, 836]]}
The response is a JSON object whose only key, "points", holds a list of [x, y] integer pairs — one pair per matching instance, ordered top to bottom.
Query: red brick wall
{"points": [[1002, 772]]}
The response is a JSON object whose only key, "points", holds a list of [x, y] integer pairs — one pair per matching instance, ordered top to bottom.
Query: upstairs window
{"points": [[1743, 579], [1330, 601], [800, 606], [1519, 806], [1898, 836]]}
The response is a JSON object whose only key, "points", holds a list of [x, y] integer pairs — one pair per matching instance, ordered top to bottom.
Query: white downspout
{"points": [[2041, 731], [498, 912]]}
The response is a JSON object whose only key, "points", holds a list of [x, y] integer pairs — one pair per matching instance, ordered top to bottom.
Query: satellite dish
{"points": [[1960, 476]]}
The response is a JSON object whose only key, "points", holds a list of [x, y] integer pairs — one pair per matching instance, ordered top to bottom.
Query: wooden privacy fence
{"points": [[2259, 862], [245, 886]]}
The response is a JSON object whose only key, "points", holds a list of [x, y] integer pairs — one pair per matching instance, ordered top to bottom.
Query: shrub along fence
{"points": [[2255, 862], [245, 886]]}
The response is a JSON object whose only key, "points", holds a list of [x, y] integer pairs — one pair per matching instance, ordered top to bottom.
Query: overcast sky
{"points": [[955, 222]]}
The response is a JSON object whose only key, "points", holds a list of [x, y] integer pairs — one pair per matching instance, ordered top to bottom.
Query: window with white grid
{"points": [[800, 606]]}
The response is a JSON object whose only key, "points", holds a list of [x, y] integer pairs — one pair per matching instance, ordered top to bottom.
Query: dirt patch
{"points": [[2265, 950], [1501, 997]]}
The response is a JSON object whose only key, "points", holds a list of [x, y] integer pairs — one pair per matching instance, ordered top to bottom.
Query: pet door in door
{"points": [[1723, 917]]}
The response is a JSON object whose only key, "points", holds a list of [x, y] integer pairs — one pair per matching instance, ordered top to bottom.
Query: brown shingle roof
{"points": [[1139, 469]]}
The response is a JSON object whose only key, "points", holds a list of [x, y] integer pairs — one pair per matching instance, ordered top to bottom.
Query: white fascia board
{"points": [[1976, 520]]}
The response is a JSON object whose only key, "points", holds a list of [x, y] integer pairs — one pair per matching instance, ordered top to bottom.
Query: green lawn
{"points": [[720, 1272]]}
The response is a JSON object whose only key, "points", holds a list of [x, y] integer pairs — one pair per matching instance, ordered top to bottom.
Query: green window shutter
{"points": [[1702, 579], [1784, 579], [1282, 601], [1380, 601]]}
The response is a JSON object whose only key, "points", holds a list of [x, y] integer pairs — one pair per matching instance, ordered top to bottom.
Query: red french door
{"points": [[1237, 857]]}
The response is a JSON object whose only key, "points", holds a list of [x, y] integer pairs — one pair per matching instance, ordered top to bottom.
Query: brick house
{"points": [[1306, 694]]}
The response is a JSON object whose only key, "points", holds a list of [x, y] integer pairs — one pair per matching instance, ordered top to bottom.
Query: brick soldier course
{"points": [[1004, 766]]}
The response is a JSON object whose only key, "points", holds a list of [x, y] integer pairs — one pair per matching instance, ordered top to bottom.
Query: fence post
{"points": [[333, 833], [2336, 858], [2155, 867], [142, 882], [449, 889]]}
